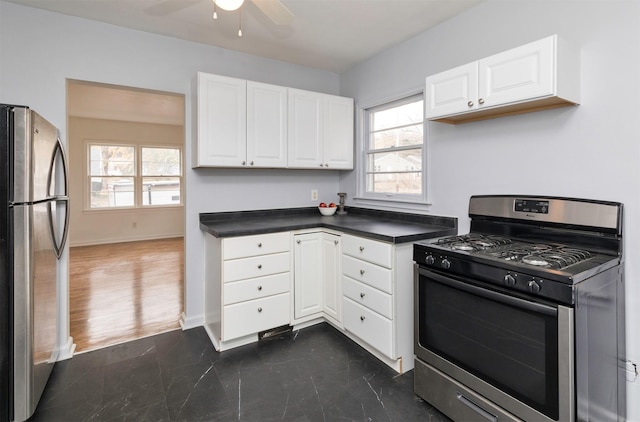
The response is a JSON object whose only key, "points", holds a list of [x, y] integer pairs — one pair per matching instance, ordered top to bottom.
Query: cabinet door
{"points": [[518, 74], [452, 91], [222, 121], [266, 125], [305, 129], [337, 149], [308, 275], [331, 281]]}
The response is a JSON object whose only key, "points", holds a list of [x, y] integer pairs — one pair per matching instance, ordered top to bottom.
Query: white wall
{"points": [[39, 50], [589, 151]]}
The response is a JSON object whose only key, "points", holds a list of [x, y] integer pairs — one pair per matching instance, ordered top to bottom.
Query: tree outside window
{"points": [[394, 150], [132, 176]]}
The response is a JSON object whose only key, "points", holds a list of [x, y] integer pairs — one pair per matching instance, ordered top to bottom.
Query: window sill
{"points": [[399, 204], [131, 209]]}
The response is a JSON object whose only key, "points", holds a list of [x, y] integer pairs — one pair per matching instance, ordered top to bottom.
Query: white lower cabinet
{"points": [[317, 276], [377, 286], [247, 287], [363, 287]]}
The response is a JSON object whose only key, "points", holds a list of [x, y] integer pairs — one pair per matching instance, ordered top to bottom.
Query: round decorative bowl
{"points": [[327, 210]]}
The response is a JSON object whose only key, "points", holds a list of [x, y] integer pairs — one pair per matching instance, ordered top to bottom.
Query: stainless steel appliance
{"points": [[33, 230], [523, 317]]}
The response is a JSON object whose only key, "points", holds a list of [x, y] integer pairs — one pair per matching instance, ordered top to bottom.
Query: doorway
{"points": [[126, 189]]}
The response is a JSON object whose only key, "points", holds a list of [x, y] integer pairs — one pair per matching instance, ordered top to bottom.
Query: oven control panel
{"points": [[502, 277]]}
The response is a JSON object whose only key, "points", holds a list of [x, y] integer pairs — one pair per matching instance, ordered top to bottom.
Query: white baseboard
{"points": [[94, 242], [191, 322], [67, 350]]}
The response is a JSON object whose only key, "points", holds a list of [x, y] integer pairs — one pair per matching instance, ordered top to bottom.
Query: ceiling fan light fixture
{"points": [[229, 5]]}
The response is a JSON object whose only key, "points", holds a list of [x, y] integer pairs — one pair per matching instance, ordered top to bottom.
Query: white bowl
{"points": [[327, 210]]}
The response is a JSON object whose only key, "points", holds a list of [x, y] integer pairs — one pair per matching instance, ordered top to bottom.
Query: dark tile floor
{"points": [[315, 374]]}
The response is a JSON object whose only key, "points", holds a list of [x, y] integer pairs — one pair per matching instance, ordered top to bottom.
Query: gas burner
{"points": [[473, 242], [535, 260]]}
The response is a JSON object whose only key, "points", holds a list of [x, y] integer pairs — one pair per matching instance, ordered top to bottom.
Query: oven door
{"points": [[513, 351]]}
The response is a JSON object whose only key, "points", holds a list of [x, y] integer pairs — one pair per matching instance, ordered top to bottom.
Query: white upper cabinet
{"points": [[540, 75], [222, 121], [256, 125], [266, 125], [305, 129], [320, 131], [338, 132]]}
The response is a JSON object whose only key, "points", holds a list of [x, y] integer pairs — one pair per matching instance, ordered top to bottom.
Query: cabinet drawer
{"points": [[262, 244], [370, 250], [257, 266], [365, 272], [255, 288], [367, 296], [257, 315], [369, 326]]}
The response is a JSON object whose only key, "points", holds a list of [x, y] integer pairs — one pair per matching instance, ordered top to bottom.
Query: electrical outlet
{"points": [[314, 194]]}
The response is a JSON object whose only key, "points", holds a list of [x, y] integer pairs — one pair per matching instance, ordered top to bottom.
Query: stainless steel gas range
{"points": [[523, 317]]}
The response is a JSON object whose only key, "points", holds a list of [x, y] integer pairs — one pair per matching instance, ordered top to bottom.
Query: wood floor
{"points": [[124, 291]]}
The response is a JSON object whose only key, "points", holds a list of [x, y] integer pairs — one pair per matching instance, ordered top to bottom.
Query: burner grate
{"points": [[473, 242]]}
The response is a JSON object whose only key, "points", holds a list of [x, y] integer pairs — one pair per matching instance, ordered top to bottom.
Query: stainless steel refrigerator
{"points": [[34, 217]]}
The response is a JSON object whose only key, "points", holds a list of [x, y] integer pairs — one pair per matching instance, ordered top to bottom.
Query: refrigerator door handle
{"points": [[51, 182], [58, 247]]}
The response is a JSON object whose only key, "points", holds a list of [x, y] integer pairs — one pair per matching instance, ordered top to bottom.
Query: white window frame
{"points": [[137, 177], [392, 200]]}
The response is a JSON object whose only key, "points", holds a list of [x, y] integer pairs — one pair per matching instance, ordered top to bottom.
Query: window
{"points": [[393, 150], [125, 176]]}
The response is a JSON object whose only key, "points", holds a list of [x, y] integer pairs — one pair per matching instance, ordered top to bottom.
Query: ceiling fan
{"points": [[272, 9]]}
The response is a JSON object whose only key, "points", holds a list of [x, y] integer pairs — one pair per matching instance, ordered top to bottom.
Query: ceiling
{"points": [[332, 35]]}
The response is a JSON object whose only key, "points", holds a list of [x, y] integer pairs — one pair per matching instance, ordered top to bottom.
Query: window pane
{"points": [[397, 116], [390, 138], [111, 160], [406, 160], [160, 162], [406, 183], [160, 190], [111, 192]]}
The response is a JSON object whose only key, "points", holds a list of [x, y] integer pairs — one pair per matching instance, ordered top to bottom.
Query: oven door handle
{"points": [[491, 294]]}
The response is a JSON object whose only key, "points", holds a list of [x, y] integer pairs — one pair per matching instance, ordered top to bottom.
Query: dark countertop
{"points": [[388, 226]]}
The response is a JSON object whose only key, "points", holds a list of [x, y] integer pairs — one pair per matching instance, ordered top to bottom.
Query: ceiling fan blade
{"points": [[167, 7], [275, 10]]}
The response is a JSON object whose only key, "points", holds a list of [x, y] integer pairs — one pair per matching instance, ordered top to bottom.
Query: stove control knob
{"points": [[430, 259], [446, 264], [509, 280], [534, 287]]}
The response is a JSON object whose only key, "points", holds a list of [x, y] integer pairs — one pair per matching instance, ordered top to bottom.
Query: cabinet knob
{"points": [[481, 101], [470, 103], [244, 163], [251, 163], [326, 164], [321, 165], [298, 241], [335, 242], [260, 244], [361, 248], [259, 266], [361, 272], [259, 288], [361, 295], [259, 309], [362, 318]]}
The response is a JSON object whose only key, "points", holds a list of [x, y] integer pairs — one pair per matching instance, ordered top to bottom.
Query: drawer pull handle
{"points": [[260, 244], [361, 248], [259, 266], [361, 272], [259, 288], [361, 295], [259, 309], [362, 318]]}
